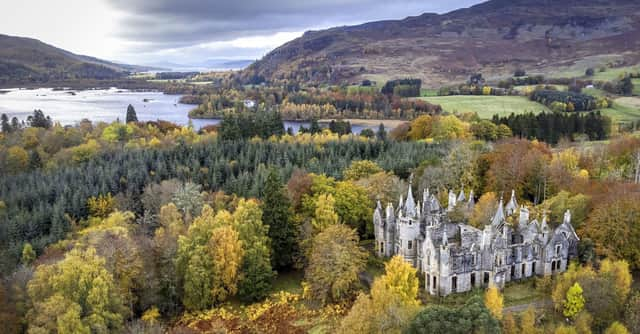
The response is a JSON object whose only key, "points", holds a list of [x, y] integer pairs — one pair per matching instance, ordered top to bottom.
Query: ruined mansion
{"points": [[455, 257]]}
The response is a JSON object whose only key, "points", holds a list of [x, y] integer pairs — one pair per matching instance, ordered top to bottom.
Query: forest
{"points": [[149, 227]]}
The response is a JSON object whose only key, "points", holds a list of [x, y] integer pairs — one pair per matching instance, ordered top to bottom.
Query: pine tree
{"points": [[131, 114], [5, 127], [275, 208]]}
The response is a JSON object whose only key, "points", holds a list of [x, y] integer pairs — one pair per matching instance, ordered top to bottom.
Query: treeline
{"points": [[175, 75], [402, 87], [564, 101], [309, 103], [263, 124], [551, 127], [40, 206]]}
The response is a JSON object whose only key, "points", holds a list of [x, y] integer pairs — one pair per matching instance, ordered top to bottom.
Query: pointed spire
{"points": [[425, 195], [461, 197], [452, 201], [472, 202], [401, 203], [410, 204], [435, 204], [512, 206], [389, 213], [567, 217], [498, 218], [544, 225]]}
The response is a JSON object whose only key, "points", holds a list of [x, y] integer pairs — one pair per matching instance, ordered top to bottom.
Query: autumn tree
{"points": [[16, 160], [360, 169], [101, 206], [275, 208], [484, 210], [325, 214], [613, 227], [113, 240], [165, 248], [28, 254], [226, 254], [209, 258], [335, 262], [255, 282], [75, 295], [493, 300], [574, 303], [391, 304], [632, 313], [528, 322], [509, 325], [616, 328], [563, 329]]}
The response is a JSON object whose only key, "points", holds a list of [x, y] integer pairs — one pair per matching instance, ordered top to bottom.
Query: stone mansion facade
{"points": [[457, 257]]}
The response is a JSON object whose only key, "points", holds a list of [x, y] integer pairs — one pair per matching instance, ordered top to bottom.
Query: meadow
{"points": [[486, 106]]}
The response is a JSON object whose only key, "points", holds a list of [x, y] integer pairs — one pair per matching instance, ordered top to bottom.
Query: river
{"points": [[107, 105]]}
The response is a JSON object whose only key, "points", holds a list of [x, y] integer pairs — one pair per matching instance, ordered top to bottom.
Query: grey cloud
{"points": [[171, 23]]}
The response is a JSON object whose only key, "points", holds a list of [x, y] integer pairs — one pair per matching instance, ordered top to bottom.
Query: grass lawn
{"points": [[614, 73], [636, 86], [425, 92], [486, 106], [290, 281], [515, 293]]}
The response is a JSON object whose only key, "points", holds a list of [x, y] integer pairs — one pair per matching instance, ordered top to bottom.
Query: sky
{"points": [[193, 31]]}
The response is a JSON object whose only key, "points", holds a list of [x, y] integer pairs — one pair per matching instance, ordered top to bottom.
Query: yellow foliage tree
{"points": [[101, 206], [484, 210], [325, 214], [226, 254], [493, 300], [574, 303], [391, 305], [528, 322], [509, 325], [616, 328]]}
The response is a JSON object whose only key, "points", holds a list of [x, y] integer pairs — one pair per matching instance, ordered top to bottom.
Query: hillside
{"points": [[495, 37], [26, 60]]}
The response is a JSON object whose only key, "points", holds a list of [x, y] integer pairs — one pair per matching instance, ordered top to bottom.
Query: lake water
{"points": [[106, 105]]}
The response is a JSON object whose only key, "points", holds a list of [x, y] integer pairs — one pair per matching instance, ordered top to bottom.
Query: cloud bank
{"points": [[245, 28]]}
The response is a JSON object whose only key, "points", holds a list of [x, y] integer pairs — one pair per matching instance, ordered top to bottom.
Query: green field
{"points": [[636, 86], [486, 106], [624, 109]]}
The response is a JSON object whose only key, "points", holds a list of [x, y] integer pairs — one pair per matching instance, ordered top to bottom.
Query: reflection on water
{"points": [[106, 105]]}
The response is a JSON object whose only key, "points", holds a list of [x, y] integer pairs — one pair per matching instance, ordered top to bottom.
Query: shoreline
{"points": [[388, 123]]}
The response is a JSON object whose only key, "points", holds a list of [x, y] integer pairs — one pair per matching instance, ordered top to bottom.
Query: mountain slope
{"points": [[494, 37], [25, 60]]}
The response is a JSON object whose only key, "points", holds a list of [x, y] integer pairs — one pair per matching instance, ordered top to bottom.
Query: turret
{"points": [[461, 197], [452, 201], [472, 202], [410, 204], [512, 206], [524, 217], [567, 217], [498, 218]]}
